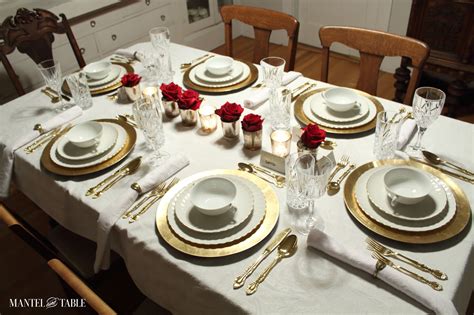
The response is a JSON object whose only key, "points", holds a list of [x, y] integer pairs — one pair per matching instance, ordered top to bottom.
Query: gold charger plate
{"points": [[253, 76], [107, 89], [303, 119], [60, 170], [269, 221], [453, 228]]}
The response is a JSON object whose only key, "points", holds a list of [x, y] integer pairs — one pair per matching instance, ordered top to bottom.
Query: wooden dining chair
{"points": [[264, 21], [32, 33], [373, 46], [46, 251]]}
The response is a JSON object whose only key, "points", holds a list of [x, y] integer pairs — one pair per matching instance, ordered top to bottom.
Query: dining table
{"points": [[308, 282]]}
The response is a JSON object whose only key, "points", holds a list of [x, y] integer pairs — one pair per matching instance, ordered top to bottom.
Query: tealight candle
{"points": [[150, 93], [208, 118], [281, 141]]}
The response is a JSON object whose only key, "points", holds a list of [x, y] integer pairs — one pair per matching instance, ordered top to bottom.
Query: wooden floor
{"points": [[24, 274]]}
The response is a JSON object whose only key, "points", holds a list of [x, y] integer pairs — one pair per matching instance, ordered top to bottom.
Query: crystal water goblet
{"points": [[160, 39], [273, 69], [51, 72], [427, 105], [150, 121]]}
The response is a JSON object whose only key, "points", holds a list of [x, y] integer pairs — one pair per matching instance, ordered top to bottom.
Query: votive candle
{"points": [[150, 93], [208, 118], [281, 141]]}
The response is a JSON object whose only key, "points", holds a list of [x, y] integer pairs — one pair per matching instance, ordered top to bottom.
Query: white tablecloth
{"points": [[309, 282]]}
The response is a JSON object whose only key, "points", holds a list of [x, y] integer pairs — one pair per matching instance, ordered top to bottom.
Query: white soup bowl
{"points": [[219, 65], [98, 70], [340, 99], [86, 134], [406, 185], [213, 196]]}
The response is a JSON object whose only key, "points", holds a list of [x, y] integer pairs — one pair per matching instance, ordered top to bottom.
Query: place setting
{"points": [[219, 74], [338, 110], [89, 147]]}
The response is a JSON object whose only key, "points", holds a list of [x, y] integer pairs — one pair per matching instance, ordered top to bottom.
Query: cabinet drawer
{"points": [[137, 27]]}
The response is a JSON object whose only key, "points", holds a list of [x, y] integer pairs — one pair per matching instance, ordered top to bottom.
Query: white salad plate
{"points": [[203, 74], [113, 75], [238, 79], [364, 101], [320, 109], [119, 143], [69, 151], [431, 206], [381, 217], [193, 219], [231, 235]]}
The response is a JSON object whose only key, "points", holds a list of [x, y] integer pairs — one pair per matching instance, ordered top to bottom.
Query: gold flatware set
{"points": [[195, 62], [297, 92], [45, 137], [436, 160], [129, 168], [445, 171], [263, 173], [334, 186], [147, 200], [287, 246], [381, 254]]}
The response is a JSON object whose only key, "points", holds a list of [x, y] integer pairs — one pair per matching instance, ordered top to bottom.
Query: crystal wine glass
{"points": [[160, 39], [273, 70], [51, 72], [427, 104], [150, 120]]}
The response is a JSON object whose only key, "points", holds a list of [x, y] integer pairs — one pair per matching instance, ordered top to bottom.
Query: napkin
{"points": [[128, 54], [264, 94], [407, 130], [7, 154], [123, 198], [361, 259]]}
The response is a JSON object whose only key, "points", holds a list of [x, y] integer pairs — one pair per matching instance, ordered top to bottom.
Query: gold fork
{"points": [[339, 166], [154, 192], [153, 200], [376, 246], [433, 284]]}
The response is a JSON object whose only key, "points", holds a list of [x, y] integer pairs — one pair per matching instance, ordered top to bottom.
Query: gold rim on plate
{"points": [[253, 76], [107, 89], [302, 118], [49, 165], [269, 221], [453, 228]]}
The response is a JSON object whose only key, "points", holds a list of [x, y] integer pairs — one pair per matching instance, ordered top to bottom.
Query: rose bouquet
{"points": [[252, 127]]}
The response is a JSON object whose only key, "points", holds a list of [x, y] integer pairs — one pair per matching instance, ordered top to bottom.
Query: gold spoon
{"points": [[39, 128], [328, 145], [436, 160], [247, 168], [334, 186], [286, 249]]}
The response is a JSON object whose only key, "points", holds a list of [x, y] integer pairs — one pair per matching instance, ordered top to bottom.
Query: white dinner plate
{"points": [[113, 75], [204, 75], [242, 77], [111, 83], [319, 108], [340, 125], [121, 140], [72, 152], [428, 208], [189, 216], [395, 223], [231, 235]]}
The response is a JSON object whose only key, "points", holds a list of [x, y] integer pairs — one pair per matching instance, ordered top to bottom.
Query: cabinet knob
{"points": [[147, 2], [163, 17], [92, 23], [114, 37], [82, 50]]}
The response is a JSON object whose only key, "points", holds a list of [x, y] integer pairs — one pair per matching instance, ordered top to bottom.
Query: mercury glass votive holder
{"points": [[171, 108], [188, 117], [208, 118], [231, 129], [253, 140], [281, 142]]}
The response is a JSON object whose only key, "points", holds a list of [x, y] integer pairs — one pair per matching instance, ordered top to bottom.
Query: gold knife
{"points": [[296, 95], [121, 170], [442, 170], [240, 280]]}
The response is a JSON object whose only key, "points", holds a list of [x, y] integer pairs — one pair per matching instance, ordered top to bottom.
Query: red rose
{"points": [[130, 79], [171, 92], [189, 100], [230, 112], [252, 122], [313, 136]]}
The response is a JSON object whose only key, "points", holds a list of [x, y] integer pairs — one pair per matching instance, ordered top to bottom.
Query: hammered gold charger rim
{"points": [[253, 76], [99, 91], [303, 119], [49, 165], [451, 229], [263, 230]]}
